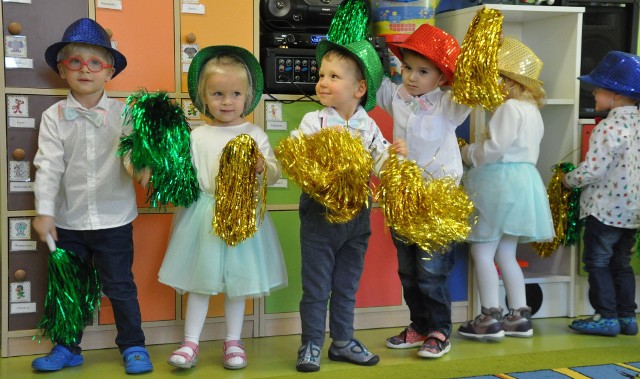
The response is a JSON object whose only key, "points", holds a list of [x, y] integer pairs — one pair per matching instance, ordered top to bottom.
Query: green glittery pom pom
{"points": [[350, 22], [160, 140], [73, 294]]}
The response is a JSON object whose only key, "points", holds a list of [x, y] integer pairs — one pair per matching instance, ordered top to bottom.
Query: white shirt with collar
{"points": [[428, 125], [372, 138], [79, 179]]}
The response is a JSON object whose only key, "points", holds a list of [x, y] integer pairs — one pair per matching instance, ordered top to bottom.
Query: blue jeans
{"points": [[111, 251], [606, 257], [332, 263], [425, 286]]}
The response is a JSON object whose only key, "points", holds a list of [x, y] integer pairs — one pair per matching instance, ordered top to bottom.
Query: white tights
{"points": [[503, 252], [197, 307]]}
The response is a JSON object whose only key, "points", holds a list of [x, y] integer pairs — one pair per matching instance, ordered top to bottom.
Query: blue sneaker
{"points": [[597, 325], [628, 326], [59, 358], [136, 360]]}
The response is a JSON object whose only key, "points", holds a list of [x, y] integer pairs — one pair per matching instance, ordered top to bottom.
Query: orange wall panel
{"points": [[224, 23], [144, 32], [150, 239], [216, 306]]}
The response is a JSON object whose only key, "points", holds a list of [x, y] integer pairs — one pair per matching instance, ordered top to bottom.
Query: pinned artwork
{"points": [[17, 106], [20, 228]]}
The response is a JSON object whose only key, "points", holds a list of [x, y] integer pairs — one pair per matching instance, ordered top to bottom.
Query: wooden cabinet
{"points": [[553, 33]]}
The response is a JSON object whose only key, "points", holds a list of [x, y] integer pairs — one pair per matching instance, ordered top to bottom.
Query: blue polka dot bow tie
{"points": [[96, 116]]}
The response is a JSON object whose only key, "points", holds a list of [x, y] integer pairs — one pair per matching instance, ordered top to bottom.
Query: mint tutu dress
{"points": [[504, 184], [199, 261]]}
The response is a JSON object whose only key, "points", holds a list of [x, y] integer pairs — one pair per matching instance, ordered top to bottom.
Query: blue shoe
{"points": [[597, 325], [628, 326], [59, 358], [136, 360]]}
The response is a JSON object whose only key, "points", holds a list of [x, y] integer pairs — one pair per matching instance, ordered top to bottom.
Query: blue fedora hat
{"points": [[85, 30], [617, 72]]}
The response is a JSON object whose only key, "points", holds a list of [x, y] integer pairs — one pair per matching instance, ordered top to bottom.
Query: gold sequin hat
{"points": [[434, 44], [367, 59], [518, 62]]}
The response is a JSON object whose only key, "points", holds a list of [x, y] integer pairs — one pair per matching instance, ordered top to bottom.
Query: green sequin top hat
{"points": [[85, 30], [348, 32], [202, 57], [367, 59], [617, 72]]}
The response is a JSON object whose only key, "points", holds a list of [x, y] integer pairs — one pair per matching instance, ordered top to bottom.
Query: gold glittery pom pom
{"points": [[476, 77], [331, 166], [238, 191], [431, 213]]}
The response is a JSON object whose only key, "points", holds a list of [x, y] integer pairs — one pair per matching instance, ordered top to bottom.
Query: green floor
{"points": [[553, 346]]}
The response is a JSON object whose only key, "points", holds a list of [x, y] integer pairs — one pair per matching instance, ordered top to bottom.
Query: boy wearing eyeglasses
{"points": [[84, 193]]}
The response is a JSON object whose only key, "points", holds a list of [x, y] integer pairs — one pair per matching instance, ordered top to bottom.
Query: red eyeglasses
{"points": [[93, 64]]}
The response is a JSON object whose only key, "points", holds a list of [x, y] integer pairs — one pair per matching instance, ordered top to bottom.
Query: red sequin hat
{"points": [[434, 44]]}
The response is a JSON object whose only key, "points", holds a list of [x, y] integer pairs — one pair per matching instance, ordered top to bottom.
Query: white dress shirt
{"points": [[428, 125], [79, 179]]}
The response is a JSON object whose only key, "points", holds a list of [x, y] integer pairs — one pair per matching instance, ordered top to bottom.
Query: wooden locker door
{"points": [[43, 23], [224, 23], [144, 33], [25, 139], [150, 239], [34, 264], [380, 284]]}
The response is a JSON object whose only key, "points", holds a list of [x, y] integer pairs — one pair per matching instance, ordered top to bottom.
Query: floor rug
{"points": [[608, 371]]}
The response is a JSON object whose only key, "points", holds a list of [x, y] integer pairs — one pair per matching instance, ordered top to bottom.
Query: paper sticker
{"points": [[17, 1], [109, 4], [193, 8], [15, 46], [189, 50], [11, 62], [17, 106], [190, 110], [273, 111], [27, 123], [277, 125], [19, 171], [21, 186], [20, 228], [23, 245], [20, 292], [22, 308]]}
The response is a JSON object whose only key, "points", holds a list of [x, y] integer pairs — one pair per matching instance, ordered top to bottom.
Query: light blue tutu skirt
{"points": [[510, 198], [198, 261]]}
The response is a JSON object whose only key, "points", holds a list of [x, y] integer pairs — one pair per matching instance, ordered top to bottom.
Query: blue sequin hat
{"points": [[85, 30], [617, 72]]}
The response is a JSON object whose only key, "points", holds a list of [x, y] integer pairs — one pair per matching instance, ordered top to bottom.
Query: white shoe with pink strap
{"points": [[233, 355], [186, 356]]}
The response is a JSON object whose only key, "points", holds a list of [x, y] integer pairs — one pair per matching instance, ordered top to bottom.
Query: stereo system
{"points": [[298, 15], [290, 30], [295, 70]]}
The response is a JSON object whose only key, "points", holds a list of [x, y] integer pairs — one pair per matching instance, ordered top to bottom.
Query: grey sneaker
{"points": [[517, 323], [486, 326], [354, 352], [309, 357]]}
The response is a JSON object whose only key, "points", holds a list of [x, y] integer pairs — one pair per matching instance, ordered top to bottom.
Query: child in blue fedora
{"points": [[84, 193], [610, 199]]}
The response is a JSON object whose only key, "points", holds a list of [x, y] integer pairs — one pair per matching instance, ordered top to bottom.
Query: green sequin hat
{"points": [[367, 59], [249, 60]]}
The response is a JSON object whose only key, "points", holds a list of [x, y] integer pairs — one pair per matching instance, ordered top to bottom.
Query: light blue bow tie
{"points": [[96, 116], [352, 123]]}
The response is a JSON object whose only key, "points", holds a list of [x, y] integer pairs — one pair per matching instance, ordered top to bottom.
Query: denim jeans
{"points": [[111, 251], [606, 257], [332, 263], [424, 279]]}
